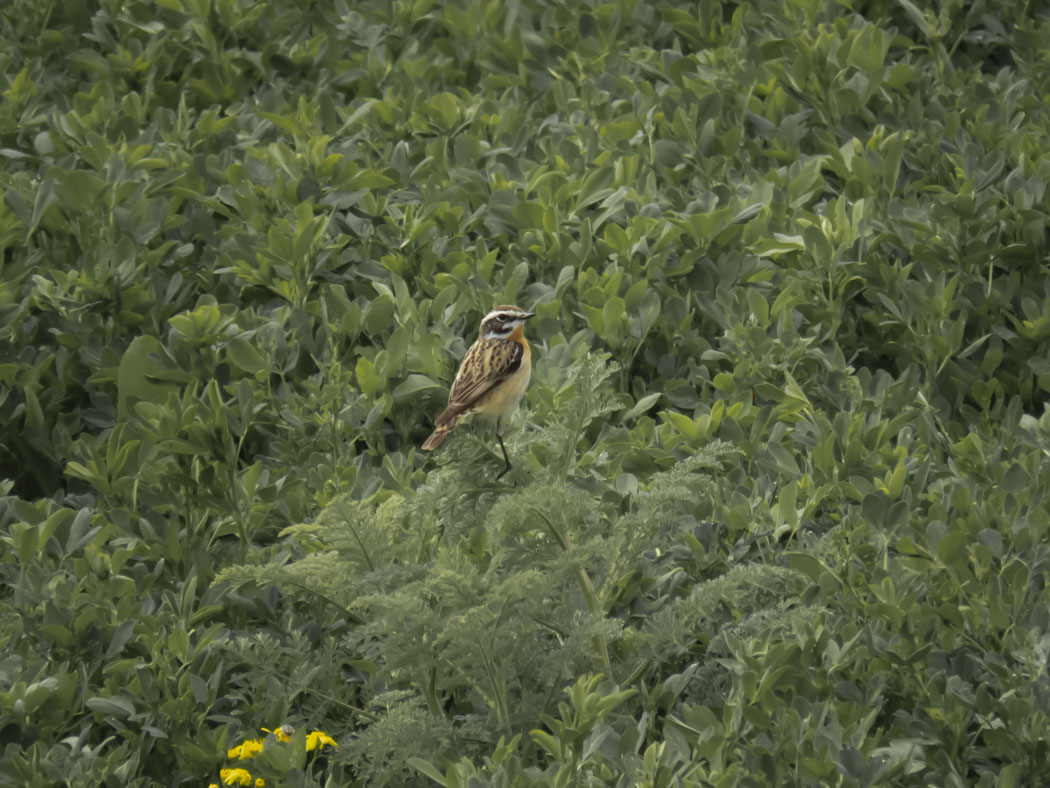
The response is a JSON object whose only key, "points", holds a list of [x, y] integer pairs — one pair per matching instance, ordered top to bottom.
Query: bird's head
{"points": [[501, 322]]}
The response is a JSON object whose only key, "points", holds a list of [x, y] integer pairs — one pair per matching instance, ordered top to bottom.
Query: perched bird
{"points": [[493, 376]]}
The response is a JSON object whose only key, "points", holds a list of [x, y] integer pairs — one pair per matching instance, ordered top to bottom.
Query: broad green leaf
{"points": [[44, 198], [746, 215], [777, 245], [759, 306], [379, 317], [246, 357], [140, 368], [367, 379], [411, 387], [641, 406], [682, 423], [952, 547], [110, 706], [428, 769]]}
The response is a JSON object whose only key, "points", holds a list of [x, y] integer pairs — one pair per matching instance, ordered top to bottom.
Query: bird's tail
{"points": [[444, 425]]}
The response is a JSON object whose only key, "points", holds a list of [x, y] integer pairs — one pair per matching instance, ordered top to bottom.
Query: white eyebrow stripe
{"points": [[496, 312]]}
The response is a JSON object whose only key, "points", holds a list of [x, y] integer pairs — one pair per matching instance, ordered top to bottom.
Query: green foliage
{"points": [[778, 513], [482, 601]]}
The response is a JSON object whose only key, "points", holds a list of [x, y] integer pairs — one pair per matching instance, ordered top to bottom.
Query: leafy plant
{"points": [[778, 508]]}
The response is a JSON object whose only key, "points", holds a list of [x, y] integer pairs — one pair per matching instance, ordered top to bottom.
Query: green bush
{"points": [[778, 508]]}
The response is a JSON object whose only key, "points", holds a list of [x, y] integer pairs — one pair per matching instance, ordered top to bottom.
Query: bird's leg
{"points": [[499, 437]]}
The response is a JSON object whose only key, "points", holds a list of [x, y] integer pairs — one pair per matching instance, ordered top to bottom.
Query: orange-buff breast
{"points": [[506, 396]]}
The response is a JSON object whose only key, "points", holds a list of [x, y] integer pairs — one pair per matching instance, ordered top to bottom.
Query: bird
{"points": [[492, 378]]}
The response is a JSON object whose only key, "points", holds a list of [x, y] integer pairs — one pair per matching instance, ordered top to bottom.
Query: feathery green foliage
{"points": [[778, 514]]}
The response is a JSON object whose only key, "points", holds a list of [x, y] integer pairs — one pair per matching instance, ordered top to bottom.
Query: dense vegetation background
{"points": [[779, 509]]}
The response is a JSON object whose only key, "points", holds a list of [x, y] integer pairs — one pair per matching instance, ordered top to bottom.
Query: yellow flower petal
{"points": [[283, 733], [316, 739], [251, 748], [246, 749], [236, 776]]}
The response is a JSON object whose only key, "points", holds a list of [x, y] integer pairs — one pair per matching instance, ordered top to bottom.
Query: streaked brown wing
{"points": [[487, 363]]}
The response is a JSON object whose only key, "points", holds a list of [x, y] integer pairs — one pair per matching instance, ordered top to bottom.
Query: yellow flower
{"points": [[284, 733], [316, 739], [247, 749], [236, 776], [259, 782]]}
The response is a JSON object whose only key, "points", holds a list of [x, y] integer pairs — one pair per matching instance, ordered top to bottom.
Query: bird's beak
{"points": [[527, 315]]}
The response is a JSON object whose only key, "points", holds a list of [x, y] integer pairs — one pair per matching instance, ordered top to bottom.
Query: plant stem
{"points": [[594, 605]]}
